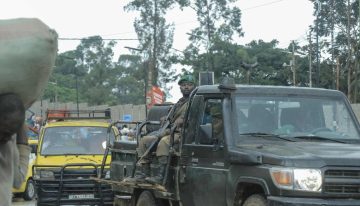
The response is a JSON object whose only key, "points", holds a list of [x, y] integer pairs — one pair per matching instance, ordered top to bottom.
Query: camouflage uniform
{"points": [[187, 83], [164, 144]]}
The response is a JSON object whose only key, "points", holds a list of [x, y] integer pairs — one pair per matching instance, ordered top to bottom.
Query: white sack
{"points": [[28, 50]]}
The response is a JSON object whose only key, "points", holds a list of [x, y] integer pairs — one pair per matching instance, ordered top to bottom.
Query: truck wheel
{"points": [[29, 193], [146, 199], [255, 200]]}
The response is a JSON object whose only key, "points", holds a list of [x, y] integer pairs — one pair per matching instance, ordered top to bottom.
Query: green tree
{"points": [[218, 23], [337, 26], [155, 36], [94, 56], [271, 60], [129, 85], [62, 86]]}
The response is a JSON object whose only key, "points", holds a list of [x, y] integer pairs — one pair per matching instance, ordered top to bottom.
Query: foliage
{"points": [[218, 23], [337, 25], [155, 36], [90, 73], [129, 87]]}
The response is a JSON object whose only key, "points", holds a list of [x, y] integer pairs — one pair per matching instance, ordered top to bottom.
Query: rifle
{"points": [[162, 130]]}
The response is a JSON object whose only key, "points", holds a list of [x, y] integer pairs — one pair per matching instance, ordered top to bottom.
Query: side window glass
{"points": [[194, 118], [212, 130]]}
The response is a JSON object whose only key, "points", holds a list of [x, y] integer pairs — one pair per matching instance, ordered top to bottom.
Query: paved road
{"points": [[21, 202]]}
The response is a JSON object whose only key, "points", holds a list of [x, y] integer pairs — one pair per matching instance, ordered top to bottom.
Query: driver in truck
{"points": [[187, 85]]}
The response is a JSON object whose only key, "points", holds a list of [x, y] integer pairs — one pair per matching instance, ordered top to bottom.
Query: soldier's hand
{"points": [[179, 122]]}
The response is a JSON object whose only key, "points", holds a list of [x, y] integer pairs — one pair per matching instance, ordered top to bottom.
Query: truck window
{"points": [[212, 116], [295, 116], [194, 119], [74, 140]]}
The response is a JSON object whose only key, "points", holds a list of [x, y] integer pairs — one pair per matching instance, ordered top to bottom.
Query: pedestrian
{"points": [[28, 50], [14, 149]]}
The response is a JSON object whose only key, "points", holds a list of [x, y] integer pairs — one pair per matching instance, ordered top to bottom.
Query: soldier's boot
{"points": [[142, 171], [159, 177]]}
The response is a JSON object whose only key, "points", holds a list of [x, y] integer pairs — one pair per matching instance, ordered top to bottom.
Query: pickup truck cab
{"points": [[248, 145], [70, 152]]}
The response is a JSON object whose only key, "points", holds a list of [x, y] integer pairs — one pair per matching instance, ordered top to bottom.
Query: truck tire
{"points": [[29, 193], [146, 198], [255, 200]]}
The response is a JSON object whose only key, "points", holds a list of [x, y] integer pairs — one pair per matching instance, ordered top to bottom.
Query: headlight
{"points": [[44, 174], [107, 175], [297, 179]]}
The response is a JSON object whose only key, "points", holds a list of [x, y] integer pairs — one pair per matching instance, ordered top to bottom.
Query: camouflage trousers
{"points": [[162, 149]]}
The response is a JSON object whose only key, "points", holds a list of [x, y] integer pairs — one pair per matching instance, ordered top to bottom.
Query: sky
{"points": [[284, 20]]}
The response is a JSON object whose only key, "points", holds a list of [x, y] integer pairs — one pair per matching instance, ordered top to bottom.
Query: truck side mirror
{"points": [[205, 134], [34, 148]]}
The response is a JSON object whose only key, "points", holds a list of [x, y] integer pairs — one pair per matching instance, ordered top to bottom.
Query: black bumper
{"points": [[71, 185], [73, 192], [291, 201]]}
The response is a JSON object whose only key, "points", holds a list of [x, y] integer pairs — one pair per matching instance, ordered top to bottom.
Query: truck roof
{"points": [[253, 89], [77, 123]]}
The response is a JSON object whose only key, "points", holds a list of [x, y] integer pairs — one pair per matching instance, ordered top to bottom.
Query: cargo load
{"points": [[28, 50]]}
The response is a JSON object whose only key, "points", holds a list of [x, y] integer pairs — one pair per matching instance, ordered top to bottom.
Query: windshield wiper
{"points": [[262, 134], [313, 137], [75, 154]]}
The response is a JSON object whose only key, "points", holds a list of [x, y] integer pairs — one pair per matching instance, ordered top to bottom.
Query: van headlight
{"points": [[44, 174], [107, 174], [297, 179]]}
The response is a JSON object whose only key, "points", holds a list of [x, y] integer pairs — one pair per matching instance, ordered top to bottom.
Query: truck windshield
{"points": [[296, 116], [74, 140]]}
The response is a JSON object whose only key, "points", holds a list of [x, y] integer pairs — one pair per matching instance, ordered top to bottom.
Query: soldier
{"points": [[187, 85]]}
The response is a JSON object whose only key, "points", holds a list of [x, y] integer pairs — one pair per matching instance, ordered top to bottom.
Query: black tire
{"points": [[29, 193], [146, 198], [255, 200]]}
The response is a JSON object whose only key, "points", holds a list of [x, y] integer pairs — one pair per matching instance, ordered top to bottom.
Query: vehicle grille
{"points": [[73, 182], [342, 182]]}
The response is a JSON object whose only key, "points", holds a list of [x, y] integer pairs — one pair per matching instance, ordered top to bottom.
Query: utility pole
{"points": [[332, 9], [317, 44], [209, 52], [310, 59], [348, 61], [293, 66], [152, 68], [248, 68], [337, 73], [145, 82]]}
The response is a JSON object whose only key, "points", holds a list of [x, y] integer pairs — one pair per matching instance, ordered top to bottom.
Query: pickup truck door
{"points": [[203, 173]]}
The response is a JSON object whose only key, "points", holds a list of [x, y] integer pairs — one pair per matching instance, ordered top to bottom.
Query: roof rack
{"points": [[77, 114]]}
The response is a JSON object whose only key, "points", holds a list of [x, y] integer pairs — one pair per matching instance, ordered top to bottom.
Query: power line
{"points": [[261, 5], [180, 23], [78, 39]]}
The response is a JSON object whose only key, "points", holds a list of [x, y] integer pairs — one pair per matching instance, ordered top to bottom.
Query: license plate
{"points": [[81, 196]]}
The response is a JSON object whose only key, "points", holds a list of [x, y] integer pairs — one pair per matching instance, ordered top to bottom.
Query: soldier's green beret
{"points": [[187, 78]]}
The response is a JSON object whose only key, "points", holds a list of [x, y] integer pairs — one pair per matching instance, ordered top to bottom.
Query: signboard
{"points": [[154, 96], [127, 117]]}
